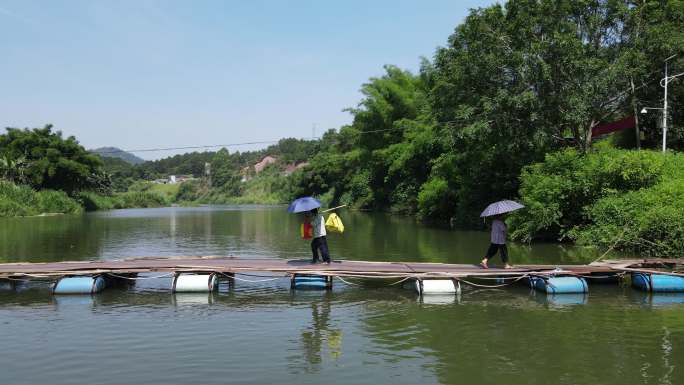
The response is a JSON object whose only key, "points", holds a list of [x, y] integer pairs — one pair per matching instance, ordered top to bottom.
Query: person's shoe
{"points": [[314, 261], [483, 265], [508, 266]]}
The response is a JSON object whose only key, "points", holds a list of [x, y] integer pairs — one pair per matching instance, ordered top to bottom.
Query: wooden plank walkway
{"points": [[343, 268]]}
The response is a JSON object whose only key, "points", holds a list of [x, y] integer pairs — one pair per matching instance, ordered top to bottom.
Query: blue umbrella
{"points": [[303, 204], [501, 207]]}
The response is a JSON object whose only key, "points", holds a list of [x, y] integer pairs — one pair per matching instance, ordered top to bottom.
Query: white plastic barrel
{"points": [[194, 283]]}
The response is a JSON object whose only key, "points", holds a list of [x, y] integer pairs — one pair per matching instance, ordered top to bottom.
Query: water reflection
{"points": [[250, 231], [43, 239], [7, 285], [192, 299], [439, 299], [658, 299], [561, 300], [74, 302], [264, 332], [506, 336], [502, 337], [319, 339], [667, 352]]}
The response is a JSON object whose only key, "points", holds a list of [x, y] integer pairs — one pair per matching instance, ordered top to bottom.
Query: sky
{"points": [[158, 74]]}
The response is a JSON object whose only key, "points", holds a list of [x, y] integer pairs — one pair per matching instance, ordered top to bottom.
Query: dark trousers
{"points": [[320, 243], [493, 248]]}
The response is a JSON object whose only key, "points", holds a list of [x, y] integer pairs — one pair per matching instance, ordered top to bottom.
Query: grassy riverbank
{"points": [[267, 188], [131, 199], [20, 201]]}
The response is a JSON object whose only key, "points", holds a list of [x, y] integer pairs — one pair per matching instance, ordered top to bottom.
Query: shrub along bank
{"points": [[131, 199], [622, 199], [24, 201]]}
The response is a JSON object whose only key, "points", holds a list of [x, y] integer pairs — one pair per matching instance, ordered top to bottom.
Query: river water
{"points": [[261, 332]]}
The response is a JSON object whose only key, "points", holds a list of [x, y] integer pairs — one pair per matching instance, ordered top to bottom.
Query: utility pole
{"points": [[665, 107], [636, 115], [207, 173]]}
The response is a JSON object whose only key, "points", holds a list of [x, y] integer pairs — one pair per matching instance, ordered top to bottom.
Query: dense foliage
{"points": [[515, 82], [504, 110], [44, 159], [226, 169], [43, 173], [611, 198], [138, 199], [25, 201], [649, 222]]}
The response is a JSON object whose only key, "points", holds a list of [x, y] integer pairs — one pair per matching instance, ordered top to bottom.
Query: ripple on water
{"points": [[261, 332]]}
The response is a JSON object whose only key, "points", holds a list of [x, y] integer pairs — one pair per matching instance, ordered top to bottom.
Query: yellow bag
{"points": [[334, 224]]}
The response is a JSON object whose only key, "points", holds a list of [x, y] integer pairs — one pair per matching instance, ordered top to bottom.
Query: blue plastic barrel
{"points": [[313, 282], [657, 282], [79, 285], [560, 285]]}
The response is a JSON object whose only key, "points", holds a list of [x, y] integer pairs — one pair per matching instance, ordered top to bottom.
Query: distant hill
{"points": [[113, 152]]}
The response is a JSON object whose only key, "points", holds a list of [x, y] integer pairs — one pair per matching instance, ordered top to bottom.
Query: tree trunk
{"points": [[587, 136]]}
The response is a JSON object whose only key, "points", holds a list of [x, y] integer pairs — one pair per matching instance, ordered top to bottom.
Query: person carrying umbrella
{"points": [[309, 206], [498, 210], [319, 241]]}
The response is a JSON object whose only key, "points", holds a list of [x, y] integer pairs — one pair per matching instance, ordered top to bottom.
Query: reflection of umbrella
{"points": [[303, 204], [501, 207]]}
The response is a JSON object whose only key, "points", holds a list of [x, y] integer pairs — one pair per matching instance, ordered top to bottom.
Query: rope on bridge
{"points": [[140, 278], [249, 280], [348, 283], [494, 286]]}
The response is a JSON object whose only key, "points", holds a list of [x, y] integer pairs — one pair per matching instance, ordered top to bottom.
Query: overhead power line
{"points": [[189, 147], [199, 147]]}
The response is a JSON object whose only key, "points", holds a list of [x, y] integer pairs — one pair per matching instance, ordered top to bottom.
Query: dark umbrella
{"points": [[300, 205], [501, 207]]}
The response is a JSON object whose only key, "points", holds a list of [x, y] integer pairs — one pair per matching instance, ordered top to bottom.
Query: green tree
{"points": [[655, 32], [519, 80], [391, 130], [291, 150], [51, 161], [13, 168], [225, 172], [122, 173]]}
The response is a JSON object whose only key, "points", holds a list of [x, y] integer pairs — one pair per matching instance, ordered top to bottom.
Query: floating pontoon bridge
{"points": [[203, 274]]}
